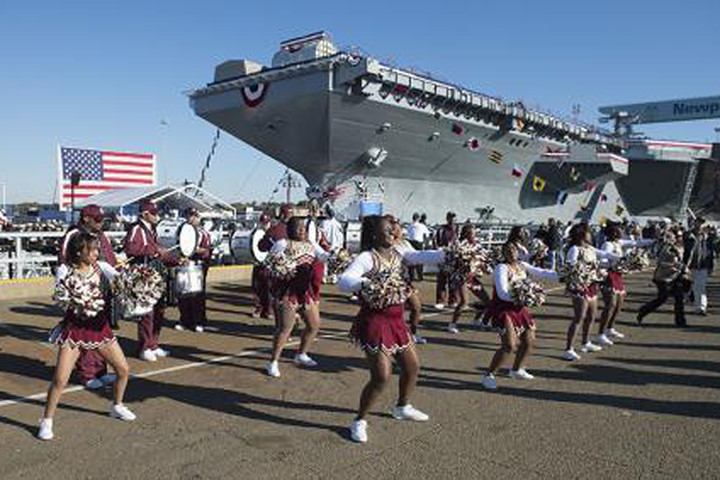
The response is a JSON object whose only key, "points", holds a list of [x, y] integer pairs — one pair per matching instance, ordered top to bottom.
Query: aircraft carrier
{"points": [[362, 132]]}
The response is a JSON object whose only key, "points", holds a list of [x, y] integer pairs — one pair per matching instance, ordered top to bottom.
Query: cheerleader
{"points": [[520, 238], [460, 283], [614, 288], [298, 294], [584, 301], [414, 304], [512, 320], [381, 330], [87, 331]]}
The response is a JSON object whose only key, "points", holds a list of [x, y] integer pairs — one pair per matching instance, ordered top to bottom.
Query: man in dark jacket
{"points": [[446, 235]]}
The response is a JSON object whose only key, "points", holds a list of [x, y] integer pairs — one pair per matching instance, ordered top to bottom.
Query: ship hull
{"points": [[435, 161]]}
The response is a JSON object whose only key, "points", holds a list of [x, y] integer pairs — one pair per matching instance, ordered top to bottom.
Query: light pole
{"points": [[165, 127], [4, 203]]}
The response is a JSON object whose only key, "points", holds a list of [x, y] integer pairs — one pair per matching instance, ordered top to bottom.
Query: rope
{"points": [[209, 158]]}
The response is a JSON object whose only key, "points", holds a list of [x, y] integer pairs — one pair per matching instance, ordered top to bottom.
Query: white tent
{"points": [[126, 201]]}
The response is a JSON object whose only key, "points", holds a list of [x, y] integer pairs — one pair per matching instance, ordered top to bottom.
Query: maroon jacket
{"points": [[273, 234], [446, 235], [141, 242], [206, 243], [106, 251]]}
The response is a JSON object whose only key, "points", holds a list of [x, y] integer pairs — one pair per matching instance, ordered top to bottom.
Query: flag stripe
{"points": [[145, 156], [122, 163], [122, 171]]}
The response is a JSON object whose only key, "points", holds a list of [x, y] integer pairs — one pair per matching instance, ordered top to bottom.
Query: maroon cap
{"points": [[149, 207], [94, 212], [264, 217]]}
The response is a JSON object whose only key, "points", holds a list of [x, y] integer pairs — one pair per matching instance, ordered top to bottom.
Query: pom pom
{"points": [[339, 260], [464, 260], [281, 266], [138, 286], [383, 289], [526, 292], [81, 294]]}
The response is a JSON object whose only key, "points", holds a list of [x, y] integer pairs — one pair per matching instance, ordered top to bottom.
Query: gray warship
{"points": [[365, 133]]}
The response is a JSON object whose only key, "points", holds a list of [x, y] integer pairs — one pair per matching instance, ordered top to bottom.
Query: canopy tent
{"points": [[125, 202]]}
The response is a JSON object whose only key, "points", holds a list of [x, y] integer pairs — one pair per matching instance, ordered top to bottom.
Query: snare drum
{"points": [[189, 280]]}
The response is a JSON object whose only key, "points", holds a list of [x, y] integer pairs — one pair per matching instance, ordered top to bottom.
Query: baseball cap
{"points": [[149, 207], [94, 212]]}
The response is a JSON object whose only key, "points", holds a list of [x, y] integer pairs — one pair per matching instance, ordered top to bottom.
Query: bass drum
{"points": [[167, 232], [244, 246]]}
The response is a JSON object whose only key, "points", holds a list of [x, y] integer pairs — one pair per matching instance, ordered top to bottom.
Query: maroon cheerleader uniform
{"points": [[303, 288], [519, 315], [382, 331], [88, 333]]}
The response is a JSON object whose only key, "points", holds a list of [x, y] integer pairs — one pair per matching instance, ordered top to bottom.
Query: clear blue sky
{"points": [[104, 74]]}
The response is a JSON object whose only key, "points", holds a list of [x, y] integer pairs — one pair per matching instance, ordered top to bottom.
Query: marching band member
{"points": [[141, 247], [260, 282], [614, 288], [296, 294], [584, 302], [193, 313], [513, 321], [82, 329], [381, 331], [91, 367]]}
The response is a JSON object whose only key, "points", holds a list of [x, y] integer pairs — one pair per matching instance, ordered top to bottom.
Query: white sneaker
{"points": [[354, 298], [439, 306], [179, 327], [199, 328], [452, 328], [614, 333], [419, 340], [603, 340], [590, 347], [160, 352], [570, 355], [148, 356], [304, 360], [273, 369], [521, 374], [108, 378], [488, 382], [94, 384], [121, 412], [408, 412], [358, 431], [45, 432]]}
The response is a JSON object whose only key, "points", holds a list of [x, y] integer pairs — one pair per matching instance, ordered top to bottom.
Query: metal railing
{"points": [[16, 261]]}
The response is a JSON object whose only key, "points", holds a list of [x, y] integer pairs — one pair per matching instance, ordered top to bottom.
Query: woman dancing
{"points": [[582, 255], [459, 283], [614, 287], [298, 293], [511, 317], [85, 327], [380, 329]]}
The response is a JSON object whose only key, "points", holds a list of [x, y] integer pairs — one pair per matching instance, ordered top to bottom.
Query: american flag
{"points": [[102, 170]]}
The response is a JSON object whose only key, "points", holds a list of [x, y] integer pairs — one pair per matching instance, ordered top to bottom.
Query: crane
{"points": [[679, 110]]}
